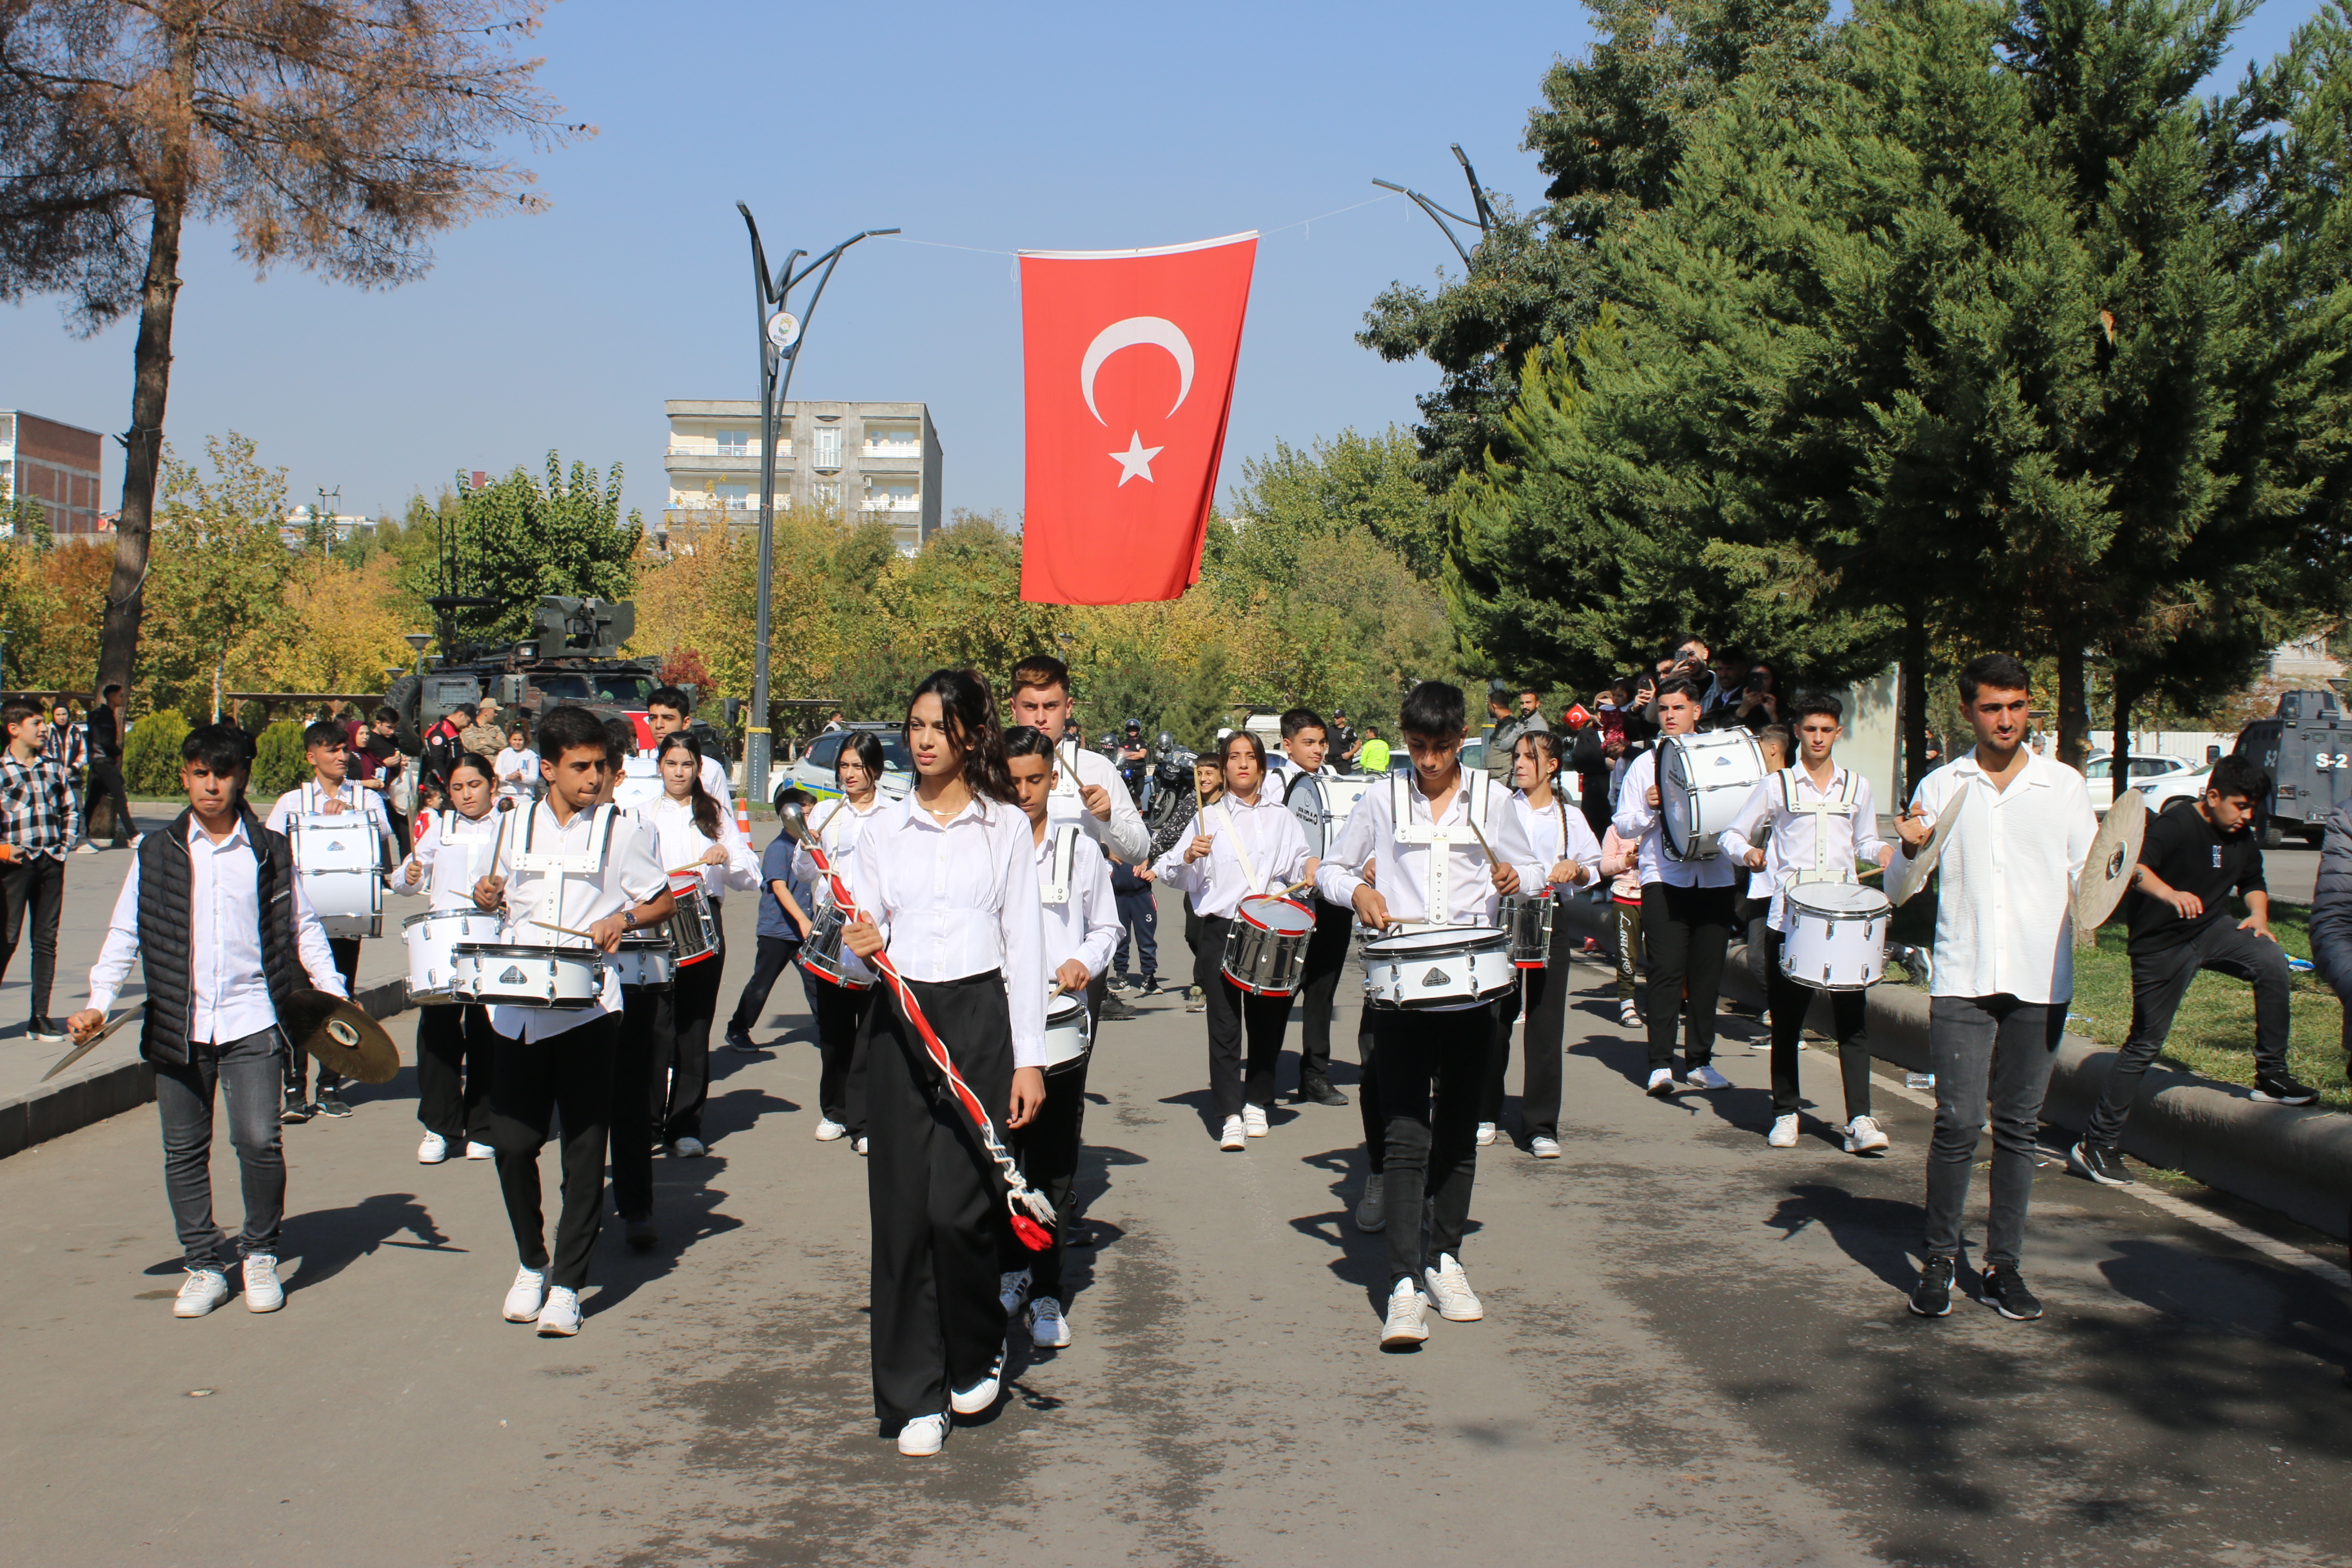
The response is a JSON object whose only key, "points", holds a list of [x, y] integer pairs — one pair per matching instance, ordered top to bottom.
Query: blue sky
{"points": [[1048, 126]]}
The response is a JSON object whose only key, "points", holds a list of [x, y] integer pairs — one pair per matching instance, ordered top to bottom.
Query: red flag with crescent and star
{"points": [[1129, 370]]}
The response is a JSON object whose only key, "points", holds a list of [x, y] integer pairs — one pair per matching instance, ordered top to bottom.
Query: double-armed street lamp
{"points": [[1483, 223]]}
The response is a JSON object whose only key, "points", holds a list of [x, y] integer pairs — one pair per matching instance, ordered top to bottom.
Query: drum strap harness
{"points": [[1842, 805], [1441, 841], [1241, 850], [553, 864], [1057, 892]]}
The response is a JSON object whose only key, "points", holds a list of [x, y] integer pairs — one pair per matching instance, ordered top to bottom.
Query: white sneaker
{"points": [[1629, 1014], [1761, 1043], [1704, 1077], [1661, 1083], [1253, 1120], [828, 1130], [1784, 1132], [1485, 1134], [1863, 1136], [1234, 1137], [857, 1145], [1544, 1148], [688, 1149], [433, 1150], [479, 1151], [1371, 1209], [1450, 1288], [1011, 1289], [200, 1292], [262, 1293], [525, 1297], [560, 1319], [1405, 1325], [1048, 1329], [980, 1396], [923, 1437]]}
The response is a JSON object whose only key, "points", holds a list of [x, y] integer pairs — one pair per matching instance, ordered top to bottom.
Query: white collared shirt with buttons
{"points": [[1078, 767], [310, 800], [1637, 819], [671, 822], [836, 824], [1557, 832], [1255, 847], [1790, 853], [452, 854], [1401, 872], [628, 873], [959, 899], [2004, 908], [1085, 924], [229, 993]]}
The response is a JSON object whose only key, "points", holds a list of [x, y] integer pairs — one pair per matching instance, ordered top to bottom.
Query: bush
{"points": [[151, 758], [278, 763]]}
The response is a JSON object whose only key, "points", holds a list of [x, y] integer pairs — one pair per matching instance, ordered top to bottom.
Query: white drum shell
{"points": [[1703, 781], [341, 860], [1836, 936], [432, 939], [643, 964], [1454, 967], [497, 975], [1069, 1034]]}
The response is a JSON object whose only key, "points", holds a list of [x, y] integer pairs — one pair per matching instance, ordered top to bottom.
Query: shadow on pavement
{"points": [[1876, 1233], [327, 1241]]}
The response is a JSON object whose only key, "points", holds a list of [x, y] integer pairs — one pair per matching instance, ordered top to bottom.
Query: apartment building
{"points": [[866, 460], [55, 464]]}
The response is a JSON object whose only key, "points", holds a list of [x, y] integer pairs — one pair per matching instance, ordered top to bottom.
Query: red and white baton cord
{"points": [[1019, 1196]]}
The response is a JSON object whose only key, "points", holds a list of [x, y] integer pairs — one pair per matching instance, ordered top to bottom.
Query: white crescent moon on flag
{"points": [[1126, 334]]}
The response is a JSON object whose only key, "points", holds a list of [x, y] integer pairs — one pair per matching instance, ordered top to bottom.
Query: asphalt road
{"points": [[1696, 1352]]}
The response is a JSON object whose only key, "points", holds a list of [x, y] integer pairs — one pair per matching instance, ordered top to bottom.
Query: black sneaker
{"points": [[1149, 987], [1117, 1010], [42, 1028], [740, 1040], [2282, 1090], [1321, 1091], [330, 1103], [293, 1113], [2099, 1163], [641, 1234], [2004, 1290], [1932, 1297]]}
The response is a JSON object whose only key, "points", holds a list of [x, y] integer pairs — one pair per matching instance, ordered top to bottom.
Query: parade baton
{"points": [[1030, 1210]]}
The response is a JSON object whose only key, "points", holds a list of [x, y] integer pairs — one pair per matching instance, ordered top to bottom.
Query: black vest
{"points": [[166, 924]]}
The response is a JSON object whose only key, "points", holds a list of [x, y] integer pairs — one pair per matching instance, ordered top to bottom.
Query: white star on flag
{"points": [[1135, 463]]}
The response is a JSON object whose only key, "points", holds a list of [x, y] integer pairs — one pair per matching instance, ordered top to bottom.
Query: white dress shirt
{"points": [[1076, 766], [310, 800], [1637, 819], [671, 822], [836, 824], [1556, 832], [1804, 847], [1253, 849], [452, 854], [1401, 869], [628, 873], [959, 899], [2004, 912], [1081, 916], [229, 993]]}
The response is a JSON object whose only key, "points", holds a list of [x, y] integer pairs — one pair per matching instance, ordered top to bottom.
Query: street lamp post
{"points": [[1484, 222], [780, 342]]}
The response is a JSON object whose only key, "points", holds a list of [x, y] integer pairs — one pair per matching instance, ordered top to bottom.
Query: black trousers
{"points": [[106, 784], [37, 884], [1688, 930], [346, 952], [770, 957], [1326, 958], [2159, 981], [1543, 997], [1789, 1003], [1232, 1012], [842, 1048], [457, 1052], [1432, 1067], [681, 1075], [568, 1076], [1368, 1092], [637, 1101], [1048, 1152], [936, 1200]]}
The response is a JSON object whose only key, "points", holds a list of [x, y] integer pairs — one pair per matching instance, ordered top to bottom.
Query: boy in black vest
{"points": [[215, 916]]}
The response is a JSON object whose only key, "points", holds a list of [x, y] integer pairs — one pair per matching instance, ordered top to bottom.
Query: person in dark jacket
{"points": [[105, 728], [2331, 913], [226, 939]]}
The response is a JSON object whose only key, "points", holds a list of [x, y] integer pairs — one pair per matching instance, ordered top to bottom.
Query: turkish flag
{"points": [[1130, 371]]}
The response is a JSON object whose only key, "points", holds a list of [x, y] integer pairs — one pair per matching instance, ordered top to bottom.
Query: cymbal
{"points": [[2115, 857], [1905, 877], [342, 1036], [97, 1037]]}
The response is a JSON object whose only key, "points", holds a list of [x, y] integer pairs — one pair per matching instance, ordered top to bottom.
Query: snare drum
{"points": [[1703, 781], [341, 863], [1529, 917], [694, 932], [1836, 938], [432, 939], [1265, 946], [823, 956], [645, 962], [1452, 966], [508, 975], [1069, 1034]]}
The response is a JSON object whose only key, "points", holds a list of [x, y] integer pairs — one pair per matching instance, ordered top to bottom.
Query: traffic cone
{"points": [[743, 815]]}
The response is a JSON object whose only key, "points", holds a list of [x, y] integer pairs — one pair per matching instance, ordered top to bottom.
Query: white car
{"points": [[814, 771], [2098, 775], [2163, 791]]}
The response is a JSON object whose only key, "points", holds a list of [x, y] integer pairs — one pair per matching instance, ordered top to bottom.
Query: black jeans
{"points": [[106, 784], [39, 884], [1139, 918], [1688, 930], [346, 952], [770, 958], [1326, 958], [2159, 981], [1544, 995], [1789, 1003], [1232, 1012], [842, 1048], [457, 1050], [1991, 1057], [1432, 1066], [247, 1071], [567, 1076], [681, 1076], [637, 1101], [1048, 1152]]}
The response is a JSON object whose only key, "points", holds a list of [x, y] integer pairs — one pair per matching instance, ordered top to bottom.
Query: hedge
{"points": [[150, 757], [277, 763]]}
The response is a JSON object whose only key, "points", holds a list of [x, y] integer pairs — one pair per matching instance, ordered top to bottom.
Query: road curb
{"points": [[54, 1109], [2295, 1160]]}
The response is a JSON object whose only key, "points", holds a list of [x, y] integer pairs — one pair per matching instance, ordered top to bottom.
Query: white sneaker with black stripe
{"points": [[1407, 1326]]}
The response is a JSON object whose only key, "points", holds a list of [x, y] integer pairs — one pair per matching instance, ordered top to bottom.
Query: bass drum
{"points": [[1703, 781]]}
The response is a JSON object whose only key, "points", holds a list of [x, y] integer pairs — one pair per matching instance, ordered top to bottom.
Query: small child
{"points": [[517, 765], [1621, 863]]}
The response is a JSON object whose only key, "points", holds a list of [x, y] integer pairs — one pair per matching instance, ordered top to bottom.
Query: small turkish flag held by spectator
{"points": [[1130, 372]]}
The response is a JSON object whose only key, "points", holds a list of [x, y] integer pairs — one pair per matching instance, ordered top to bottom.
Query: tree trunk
{"points": [[117, 647], [1914, 700], [2074, 714], [2119, 753]]}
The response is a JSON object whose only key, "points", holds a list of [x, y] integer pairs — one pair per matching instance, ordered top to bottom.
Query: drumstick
{"points": [[1482, 841], [682, 870], [1296, 887], [567, 931]]}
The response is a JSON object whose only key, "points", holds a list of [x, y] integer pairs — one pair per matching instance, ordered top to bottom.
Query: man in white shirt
{"points": [[667, 711], [1304, 744], [1088, 789], [1822, 826], [568, 863], [1688, 909], [1082, 927], [2003, 970], [216, 972], [1429, 1066]]}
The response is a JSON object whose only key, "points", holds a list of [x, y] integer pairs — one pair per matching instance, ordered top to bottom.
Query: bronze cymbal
{"points": [[2114, 858], [342, 1036]]}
